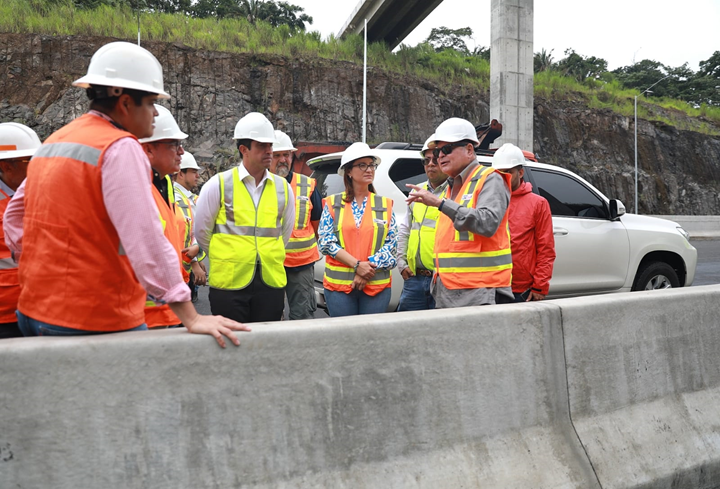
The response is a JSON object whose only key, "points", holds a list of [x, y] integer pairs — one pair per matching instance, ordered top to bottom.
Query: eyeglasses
{"points": [[176, 143], [448, 148], [430, 159], [15, 161], [366, 166]]}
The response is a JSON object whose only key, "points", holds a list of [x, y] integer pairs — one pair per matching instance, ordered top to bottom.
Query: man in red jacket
{"points": [[531, 230]]}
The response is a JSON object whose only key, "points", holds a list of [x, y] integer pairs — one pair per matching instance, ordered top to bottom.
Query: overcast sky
{"points": [[616, 30]]}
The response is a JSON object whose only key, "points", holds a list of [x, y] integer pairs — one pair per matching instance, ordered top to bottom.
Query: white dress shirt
{"points": [[208, 206]]}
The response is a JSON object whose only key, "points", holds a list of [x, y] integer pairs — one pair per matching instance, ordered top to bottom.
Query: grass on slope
{"points": [[448, 68]]}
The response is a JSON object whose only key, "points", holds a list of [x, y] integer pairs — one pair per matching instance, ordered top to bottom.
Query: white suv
{"points": [[599, 247]]}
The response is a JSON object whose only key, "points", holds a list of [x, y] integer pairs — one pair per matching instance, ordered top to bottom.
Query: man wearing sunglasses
{"points": [[416, 239], [472, 245]]}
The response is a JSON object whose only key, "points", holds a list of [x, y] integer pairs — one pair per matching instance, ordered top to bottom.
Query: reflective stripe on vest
{"points": [[75, 151], [183, 203], [246, 233], [422, 234], [361, 242], [302, 248], [464, 260], [7, 263]]}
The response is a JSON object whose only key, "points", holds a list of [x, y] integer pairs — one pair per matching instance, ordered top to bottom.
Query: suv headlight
{"points": [[685, 234]]}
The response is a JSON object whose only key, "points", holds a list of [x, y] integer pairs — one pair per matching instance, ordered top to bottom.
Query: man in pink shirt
{"points": [[123, 82]]}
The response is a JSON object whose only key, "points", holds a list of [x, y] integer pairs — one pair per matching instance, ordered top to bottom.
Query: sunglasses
{"points": [[448, 148], [429, 159], [365, 166]]}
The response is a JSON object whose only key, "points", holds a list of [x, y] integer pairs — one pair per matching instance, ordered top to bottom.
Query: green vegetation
{"points": [[61, 17], [444, 59]]}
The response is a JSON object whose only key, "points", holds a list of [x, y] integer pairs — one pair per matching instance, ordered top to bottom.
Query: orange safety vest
{"points": [[174, 228], [361, 242], [302, 248], [464, 260], [73, 270], [9, 285]]}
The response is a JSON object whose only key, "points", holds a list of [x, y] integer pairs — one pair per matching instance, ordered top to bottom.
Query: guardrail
{"points": [[699, 227], [604, 391]]}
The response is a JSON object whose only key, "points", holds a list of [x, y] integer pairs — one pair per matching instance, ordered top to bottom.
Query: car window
{"points": [[407, 170], [328, 180], [568, 197]]}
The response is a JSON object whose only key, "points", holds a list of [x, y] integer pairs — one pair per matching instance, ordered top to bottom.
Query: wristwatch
{"points": [[357, 265]]}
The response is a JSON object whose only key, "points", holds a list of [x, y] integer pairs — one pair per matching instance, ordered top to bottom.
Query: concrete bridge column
{"points": [[511, 71]]}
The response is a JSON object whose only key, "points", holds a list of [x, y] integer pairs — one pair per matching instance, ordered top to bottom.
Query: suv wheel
{"points": [[656, 275]]}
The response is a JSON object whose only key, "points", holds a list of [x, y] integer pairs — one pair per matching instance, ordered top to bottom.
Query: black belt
{"points": [[423, 272]]}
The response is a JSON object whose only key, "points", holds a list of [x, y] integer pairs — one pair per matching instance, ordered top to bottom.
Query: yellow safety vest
{"points": [[186, 205], [246, 234], [422, 234]]}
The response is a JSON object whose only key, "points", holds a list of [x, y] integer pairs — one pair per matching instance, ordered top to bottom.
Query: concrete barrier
{"points": [[699, 227], [644, 386], [474, 397]]}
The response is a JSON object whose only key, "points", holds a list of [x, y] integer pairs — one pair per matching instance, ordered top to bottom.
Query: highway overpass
{"points": [[390, 21]]}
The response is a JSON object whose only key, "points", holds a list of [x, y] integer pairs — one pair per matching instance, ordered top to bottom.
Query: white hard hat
{"points": [[124, 65], [255, 126], [165, 127], [453, 130], [17, 141], [282, 142], [426, 146], [354, 152], [508, 156], [188, 161]]}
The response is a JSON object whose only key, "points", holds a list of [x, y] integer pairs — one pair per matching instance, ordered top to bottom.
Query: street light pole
{"points": [[636, 156], [636, 168]]}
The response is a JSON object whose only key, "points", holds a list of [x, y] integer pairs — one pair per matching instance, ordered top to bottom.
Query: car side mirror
{"points": [[617, 209]]}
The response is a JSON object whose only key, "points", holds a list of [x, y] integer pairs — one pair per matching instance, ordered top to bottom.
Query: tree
{"points": [[215, 8], [283, 13], [442, 38], [482, 52], [543, 60], [711, 66], [582, 67], [641, 74]]}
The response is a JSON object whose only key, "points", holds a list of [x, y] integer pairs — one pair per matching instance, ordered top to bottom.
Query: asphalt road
{"points": [[708, 269], [708, 272], [203, 304]]}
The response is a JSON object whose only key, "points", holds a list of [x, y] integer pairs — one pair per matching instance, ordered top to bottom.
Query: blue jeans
{"points": [[416, 294], [356, 302], [33, 327]]}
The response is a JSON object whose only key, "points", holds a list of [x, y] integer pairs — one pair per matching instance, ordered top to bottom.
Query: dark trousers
{"points": [[255, 303], [10, 330]]}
